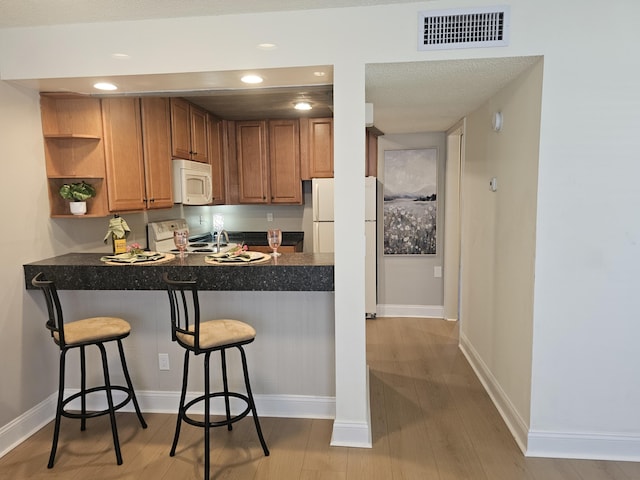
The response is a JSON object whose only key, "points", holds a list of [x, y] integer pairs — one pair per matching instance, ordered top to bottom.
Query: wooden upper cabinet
{"points": [[180, 129], [188, 131], [217, 133], [156, 142], [199, 147], [316, 147], [74, 149], [138, 153], [124, 154], [251, 156], [284, 162]]}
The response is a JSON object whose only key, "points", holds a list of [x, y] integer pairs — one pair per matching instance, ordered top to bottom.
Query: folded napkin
{"points": [[231, 257], [133, 258]]}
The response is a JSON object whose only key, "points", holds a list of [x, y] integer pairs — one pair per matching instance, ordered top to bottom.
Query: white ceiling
{"points": [[23, 13], [407, 97]]}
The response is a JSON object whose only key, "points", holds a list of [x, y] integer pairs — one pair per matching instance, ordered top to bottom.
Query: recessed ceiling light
{"points": [[267, 46], [120, 56], [319, 74], [252, 79], [104, 86], [302, 106]]}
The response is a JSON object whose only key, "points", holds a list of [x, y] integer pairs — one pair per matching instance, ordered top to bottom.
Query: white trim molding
{"points": [[417, 311], [290, 406], [22, 427], [518, 427], [351, 434], [354, 434], [592, 446]]}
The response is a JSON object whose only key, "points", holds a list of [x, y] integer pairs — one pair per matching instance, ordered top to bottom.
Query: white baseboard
{"points": [[419, 311], [290, 406], [22, 427], [518, 427], [351, 434], [354, 434], [579, 445], [592, 446]]}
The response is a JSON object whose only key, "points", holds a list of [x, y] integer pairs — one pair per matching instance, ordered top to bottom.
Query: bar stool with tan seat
{"points": [[80, 334], [207, 337]]}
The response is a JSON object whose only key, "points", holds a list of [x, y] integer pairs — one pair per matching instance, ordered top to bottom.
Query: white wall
{"points": [[587, 228], [498, 244], [406, 283], [28, 373]]}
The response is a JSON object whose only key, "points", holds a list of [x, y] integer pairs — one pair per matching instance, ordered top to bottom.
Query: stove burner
{"points": [[197, 245], [202, 250]]}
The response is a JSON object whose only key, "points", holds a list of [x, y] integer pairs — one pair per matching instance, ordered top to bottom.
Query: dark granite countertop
{"points": [[289, 272]]}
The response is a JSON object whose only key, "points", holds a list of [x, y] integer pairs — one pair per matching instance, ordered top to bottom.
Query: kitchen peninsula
{"points": [[294, 272], [288, 300]]}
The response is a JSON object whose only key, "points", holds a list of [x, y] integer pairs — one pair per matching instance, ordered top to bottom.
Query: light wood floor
{"points": [[431, 420]]}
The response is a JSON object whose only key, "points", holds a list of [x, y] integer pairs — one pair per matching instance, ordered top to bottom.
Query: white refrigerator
{"points": [[322, 192], [323, 233]]}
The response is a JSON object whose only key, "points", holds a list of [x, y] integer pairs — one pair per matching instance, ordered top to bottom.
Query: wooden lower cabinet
{"points": [[267, 249]]}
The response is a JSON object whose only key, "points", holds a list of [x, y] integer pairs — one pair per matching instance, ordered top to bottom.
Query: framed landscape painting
{"points": [[410, 201]]}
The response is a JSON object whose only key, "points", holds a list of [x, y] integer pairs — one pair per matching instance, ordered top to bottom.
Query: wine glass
{"points": [[274, 237], [181, 239]]}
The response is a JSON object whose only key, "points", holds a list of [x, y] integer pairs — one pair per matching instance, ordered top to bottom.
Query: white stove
{"points": [[160, 238]]}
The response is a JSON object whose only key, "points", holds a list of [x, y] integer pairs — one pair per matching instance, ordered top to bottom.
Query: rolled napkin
{"points": [[233, 257], [133, 258]]}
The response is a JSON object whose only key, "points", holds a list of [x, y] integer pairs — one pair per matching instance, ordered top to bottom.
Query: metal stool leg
{"points": [[127, 377], [225, 383], [83, 389], [183, 394], [252, 404], [112, 413], [207, 416], [56, 428]]}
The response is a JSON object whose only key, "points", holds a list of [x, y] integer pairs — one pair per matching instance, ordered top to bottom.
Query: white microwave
{"points": [[192, 183]]}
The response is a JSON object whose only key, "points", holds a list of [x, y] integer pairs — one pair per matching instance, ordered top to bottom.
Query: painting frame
{"points": [[410, 201]]}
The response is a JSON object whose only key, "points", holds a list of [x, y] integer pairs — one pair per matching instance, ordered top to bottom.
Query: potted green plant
{"points": [[77, 194]]}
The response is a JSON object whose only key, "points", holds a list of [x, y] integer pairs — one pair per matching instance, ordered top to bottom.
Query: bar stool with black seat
{"points": [[80, 334], [207, 337]]}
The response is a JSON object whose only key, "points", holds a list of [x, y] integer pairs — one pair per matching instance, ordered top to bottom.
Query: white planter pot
{"points": [[78, 208]]}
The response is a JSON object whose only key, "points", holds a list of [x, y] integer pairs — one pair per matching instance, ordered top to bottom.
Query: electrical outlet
{"points": [[269, 217], [437, 272], [163, 361]]}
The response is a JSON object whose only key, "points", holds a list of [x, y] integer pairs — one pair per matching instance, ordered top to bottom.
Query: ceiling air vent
{"points": [[463, 28]]}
